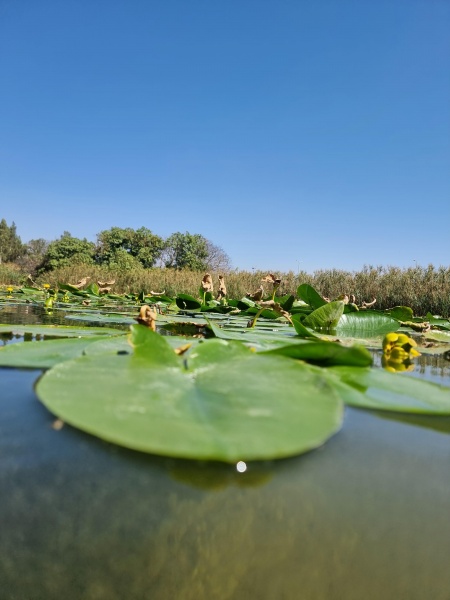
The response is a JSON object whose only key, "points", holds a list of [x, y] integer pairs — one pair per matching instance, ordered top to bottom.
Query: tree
{"points": [[118, 246], [11, 247], [67, 251], [186, 251], [34, 254], [218, 259]]}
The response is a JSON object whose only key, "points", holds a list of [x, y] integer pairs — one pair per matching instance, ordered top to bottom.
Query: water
{"points": [[364, 517]]}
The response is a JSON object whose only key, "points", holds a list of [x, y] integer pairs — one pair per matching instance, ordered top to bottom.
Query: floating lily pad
{"points": [[401, 313], [100, 318], [437, 321], [365, 324], [57, 330], [438, 336], [326, 353], [46, 354], [376, 388], [229, 405]]}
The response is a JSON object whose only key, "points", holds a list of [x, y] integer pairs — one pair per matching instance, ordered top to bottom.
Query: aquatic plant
{"points": [[254, 379]]}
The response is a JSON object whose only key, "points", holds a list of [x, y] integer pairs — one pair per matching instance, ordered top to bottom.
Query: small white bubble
{"points": [[241, 467]]}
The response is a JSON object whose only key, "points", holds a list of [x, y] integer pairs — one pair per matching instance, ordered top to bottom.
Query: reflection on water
{"points": [[31, 314], [432, 367], [364, 517]]}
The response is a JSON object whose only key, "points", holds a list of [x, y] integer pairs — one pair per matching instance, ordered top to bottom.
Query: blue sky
{"points": [[294, 134]]}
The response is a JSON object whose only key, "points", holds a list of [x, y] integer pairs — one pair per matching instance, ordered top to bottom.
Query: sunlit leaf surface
{"points": [[376, 388], [230, 404]]}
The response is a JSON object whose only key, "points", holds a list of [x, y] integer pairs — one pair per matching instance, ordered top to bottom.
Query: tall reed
{"points": [[424, 289]]}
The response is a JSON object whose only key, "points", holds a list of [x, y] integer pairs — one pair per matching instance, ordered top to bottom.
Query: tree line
{"points": [[116, 248]]}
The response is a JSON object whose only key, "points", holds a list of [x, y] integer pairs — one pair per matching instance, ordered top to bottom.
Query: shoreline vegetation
{"points": [[424, 289]]}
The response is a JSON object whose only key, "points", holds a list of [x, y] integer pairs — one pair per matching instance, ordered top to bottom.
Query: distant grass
{"points": [[11, 274], [424, 289]]}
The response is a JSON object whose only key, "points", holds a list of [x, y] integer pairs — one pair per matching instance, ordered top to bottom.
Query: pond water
{"points": [[364, 517]]}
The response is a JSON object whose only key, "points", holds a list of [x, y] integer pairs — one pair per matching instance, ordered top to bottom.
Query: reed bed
{"points": [[424, 289]]}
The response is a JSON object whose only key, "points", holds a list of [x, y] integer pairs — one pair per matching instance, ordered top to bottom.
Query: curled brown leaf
{"points": [[207, 283], [147, 317]]}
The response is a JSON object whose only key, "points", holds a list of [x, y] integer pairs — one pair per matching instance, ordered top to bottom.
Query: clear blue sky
{"points": [[311, 134]]}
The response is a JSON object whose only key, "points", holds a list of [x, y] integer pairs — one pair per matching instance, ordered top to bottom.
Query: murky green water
{"points": [[364, 517]]}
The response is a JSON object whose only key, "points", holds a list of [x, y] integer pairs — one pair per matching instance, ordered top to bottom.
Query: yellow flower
{"points": [[46, 286], [9, 289], [398, 350]]}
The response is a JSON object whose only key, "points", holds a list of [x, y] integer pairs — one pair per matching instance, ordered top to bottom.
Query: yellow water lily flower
{"points": [[398, 350]]}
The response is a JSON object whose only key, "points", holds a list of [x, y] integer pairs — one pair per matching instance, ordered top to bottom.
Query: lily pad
{"points": [[309, 295], [187, 302], [401, 313], [326, 317], [438, 321], [365, 324], [57, 330], [438, 336], [326, 353], [46, 354], [380, 389], [229, 404]]}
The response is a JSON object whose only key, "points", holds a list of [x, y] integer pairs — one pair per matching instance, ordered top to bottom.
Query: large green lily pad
{"points": [[366, 324], [229, 404]]}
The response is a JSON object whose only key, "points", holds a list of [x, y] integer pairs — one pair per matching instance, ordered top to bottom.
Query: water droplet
{"points": [[241, 467]]}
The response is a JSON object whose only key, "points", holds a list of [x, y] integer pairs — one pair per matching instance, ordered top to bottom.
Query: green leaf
{"points": [[93, 289], [309, 295], [286, 301], [187, 302], [245, 303], [401, 313], [94, 317], [325, 317], [437, 321], [365, 324], [300, 328], [57, 330], [253, 335], [438, 336], [152, 347], [326, 354], [43, 355], [380, 389], [230, 405]]}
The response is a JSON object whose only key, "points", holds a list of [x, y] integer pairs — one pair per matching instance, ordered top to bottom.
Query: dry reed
{"points": [[424, 289]]}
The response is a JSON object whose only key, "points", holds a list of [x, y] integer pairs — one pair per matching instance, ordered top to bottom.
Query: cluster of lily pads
{"points": [[260, 377]]}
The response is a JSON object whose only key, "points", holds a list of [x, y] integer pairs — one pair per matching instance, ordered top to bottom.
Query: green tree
{"points": [[11, 247], [128, 247], [67, 251], [186, 251]]}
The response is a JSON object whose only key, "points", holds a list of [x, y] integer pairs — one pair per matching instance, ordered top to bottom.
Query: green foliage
{"points": [[11, 247], [128, 248], [67, 251], [186, 251], [34, 252], [11, 274], [263, 391], [151, 402]]}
